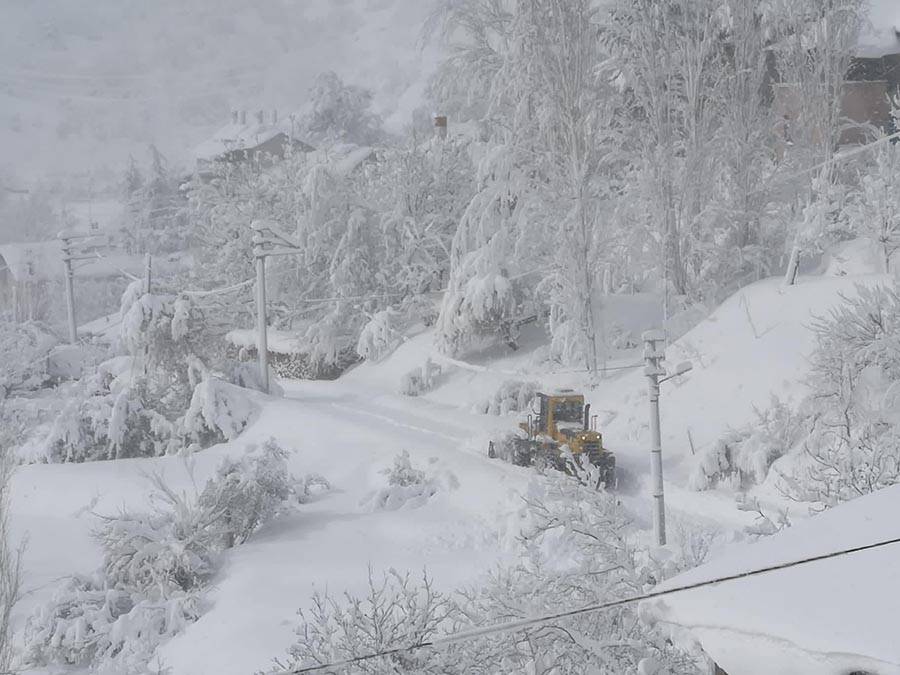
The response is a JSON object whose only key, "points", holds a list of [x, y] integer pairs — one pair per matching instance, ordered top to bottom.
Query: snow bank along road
{"points": [[347, 436]]}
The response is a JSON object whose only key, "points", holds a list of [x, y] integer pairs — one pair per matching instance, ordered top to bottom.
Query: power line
{"points": [[543, 619]]}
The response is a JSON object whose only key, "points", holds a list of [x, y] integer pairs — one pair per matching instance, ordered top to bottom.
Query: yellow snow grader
{"points": [[562, 419]]}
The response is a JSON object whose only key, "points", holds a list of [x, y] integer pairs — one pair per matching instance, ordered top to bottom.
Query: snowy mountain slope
{"points": [[83, 87]]}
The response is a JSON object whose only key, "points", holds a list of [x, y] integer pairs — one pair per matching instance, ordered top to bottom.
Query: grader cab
{"points": [[562, 419]]}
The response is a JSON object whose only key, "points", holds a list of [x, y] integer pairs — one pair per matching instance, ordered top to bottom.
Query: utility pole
{"points": [[267, 241], [70, 254], [70, 286], [262, 342], [654, 356]]}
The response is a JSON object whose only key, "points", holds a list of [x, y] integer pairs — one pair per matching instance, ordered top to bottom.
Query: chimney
{"points": [[234, 116], [243, 117], [440, 126]]}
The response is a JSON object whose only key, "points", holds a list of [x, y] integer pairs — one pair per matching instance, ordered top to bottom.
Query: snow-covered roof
{"points": [[237, 136], [342, 159], [42, 261], [829, 617]]}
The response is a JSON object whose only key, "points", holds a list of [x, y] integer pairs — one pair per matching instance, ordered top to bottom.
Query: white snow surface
{"points": [[351, 429], [829, 617]]}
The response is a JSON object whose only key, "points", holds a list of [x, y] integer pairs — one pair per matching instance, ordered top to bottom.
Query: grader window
{"points": [[569, 411]]}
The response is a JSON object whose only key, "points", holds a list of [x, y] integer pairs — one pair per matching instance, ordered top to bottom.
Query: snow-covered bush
{"points": [[874, 209], [379, 337], [24, 348], [421, 380], [511, 396], [162, 399], [853, 411], [218, 412], [100, 422], [743, 457], [407, 486], [252, 490], [577, 546], [156, 565], [395, 611], [89, 624]]}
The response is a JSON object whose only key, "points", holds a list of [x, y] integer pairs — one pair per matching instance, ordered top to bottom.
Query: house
{"points": [[872, 80], [261, 139], [32, 275], [835, 616]]}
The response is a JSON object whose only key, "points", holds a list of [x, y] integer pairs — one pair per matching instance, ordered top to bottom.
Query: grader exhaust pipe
{"points": [[587, 416]]}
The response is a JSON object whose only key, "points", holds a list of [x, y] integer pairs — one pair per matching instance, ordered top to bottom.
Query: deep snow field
{"points": [[755, 344]]}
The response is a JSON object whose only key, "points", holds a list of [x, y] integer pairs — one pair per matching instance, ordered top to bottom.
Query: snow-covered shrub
{"points": [[874, 209], [379, 337], [24, 348], [420, 380], [511, 396], [161, 398], [218, 412], [99, 422], [853, 447], [743, 457], [310, 485], [407, 486], [251, 491], [765, 524], [577, 546], [156, 565], [395, 611], [89, 624]]}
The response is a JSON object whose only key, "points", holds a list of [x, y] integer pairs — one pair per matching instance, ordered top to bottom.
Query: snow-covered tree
{"points": [[339, 113], [544, 175], [874, 209], [156, 215], [853, 447], [9, 559]]}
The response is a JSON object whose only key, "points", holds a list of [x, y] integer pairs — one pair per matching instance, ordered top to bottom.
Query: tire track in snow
{"points": [[397, 423]]}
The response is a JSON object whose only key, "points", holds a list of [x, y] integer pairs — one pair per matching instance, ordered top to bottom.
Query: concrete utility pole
{"points": [[267, 241], [70, 254], [70, 287], [262, 341], [654, 355]]}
